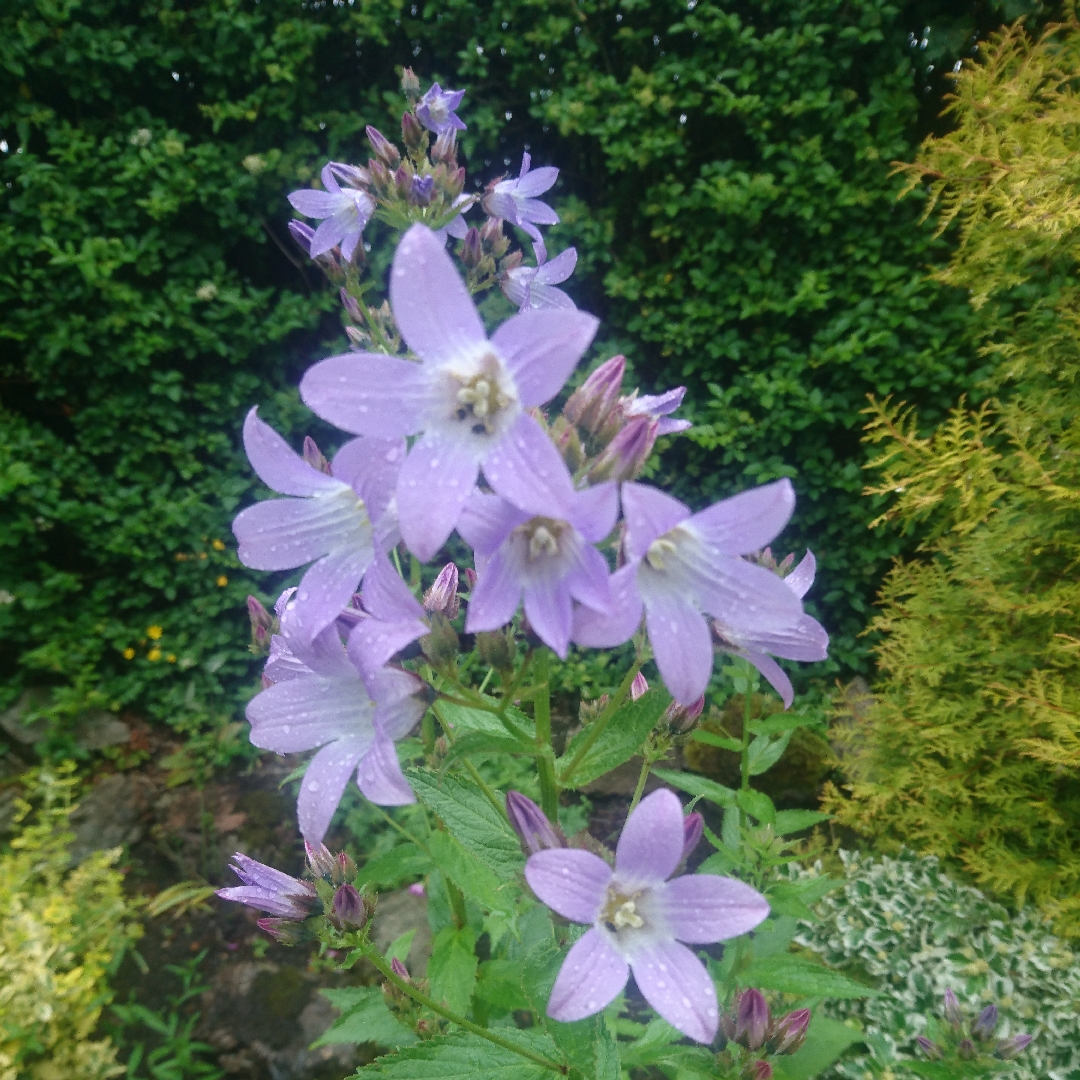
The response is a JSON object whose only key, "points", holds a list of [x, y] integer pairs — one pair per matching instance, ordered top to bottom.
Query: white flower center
{"points": [[438, 111], [483, 398], [543, 536], [660, 551], [620, 911]]}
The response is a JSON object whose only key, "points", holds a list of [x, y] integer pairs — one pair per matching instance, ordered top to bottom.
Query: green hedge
{"points": [[725, 177]]}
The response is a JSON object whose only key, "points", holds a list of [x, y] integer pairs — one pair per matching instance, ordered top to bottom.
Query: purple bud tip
{"points": [[382, 147], [421, 189], [301, 235], [591, 404], [314, 456], [625, 456], [470, 578], [442, 596], [261, 619], [639, 687], [531, 824], [693, 826], [319, 859], [417, 889], [348, 908], [283, 930], [399, 969], [953, 1013], [751, 1019], [983, 1028], [790, 1032], [1013, 1046], [928, 1047], [967, 1049], [762, 1070]]}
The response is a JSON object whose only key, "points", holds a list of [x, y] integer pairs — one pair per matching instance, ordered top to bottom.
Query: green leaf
{"points": [[463, 721], [774, 725], [707, 737], [622, 738], [483, 743], [765, 753], [697, 785], [757, 804], [471, 819], [793, 821], [731, 829], [406, 862], [719, 862], [472, 876], [786, 900], [774, 936], [399, 948], [452, 967], [792, 974], [498, 985], [365, 1018], [826, 1040], [588, 1046], [651, 1046], [466, 1057]]}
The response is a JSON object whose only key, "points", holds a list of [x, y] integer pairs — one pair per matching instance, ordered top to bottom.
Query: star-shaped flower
{"points": [[435, 109], [515, 201], [346, 210], [534, 286], [641, 922]]}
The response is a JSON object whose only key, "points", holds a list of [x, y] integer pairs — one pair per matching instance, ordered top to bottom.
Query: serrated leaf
{"points": [[463, 720], [774, 725], [707, 737], [622, 739], [477, 743], [765, 753], [697, 785], [757, 804], [471, 819], [793, 821], [731, 829], [406, 862], [472, 876], [784, 900], [774, 936], [400, 947], [451, 970], [792, 974], [498, 984], [365, 1018], [826, 1040], [651, 1046], [466, 1057]]}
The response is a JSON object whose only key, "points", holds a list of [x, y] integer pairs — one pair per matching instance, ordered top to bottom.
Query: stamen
{"points": [[542, 543], [659, 552], [627, 915]]}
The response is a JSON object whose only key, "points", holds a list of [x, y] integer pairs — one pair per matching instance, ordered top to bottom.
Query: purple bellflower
{"points": [[435, 110], [515, 201], [346, 210], [534, 286], [467, 398], [658, 406], [327, 520], [540, 551], [682, 566], [393, 618], [804, 638], [319, 699], [531, 824], [270, 890], [640, 921]]}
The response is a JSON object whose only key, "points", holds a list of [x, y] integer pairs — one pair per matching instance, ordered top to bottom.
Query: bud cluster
{"points": [[753, 1034], [959, 1041]]}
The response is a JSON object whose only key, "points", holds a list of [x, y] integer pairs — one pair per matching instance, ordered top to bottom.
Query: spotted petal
{"points": [[324, 784], [651, 843], [573, 883], [702, 908], [591, 977], [675, 983]]}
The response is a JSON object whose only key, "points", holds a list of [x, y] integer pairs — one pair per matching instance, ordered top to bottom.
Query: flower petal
{"points": [[536, 181], [312, 203], [534, 210], [331, 232], [559, 269], [547, 298], [431, 304], [541, 348], [368, 394], [277, 464], [371, 467], [527, 471], [434, 484], [595, 510], [649, 513], [487, 521], [747, 522], [280, 534], [802, 577], [589, 580], [326, 589], [385, 594], [495, 596], [746, 596], [549, 610], [599, 631], [372, 642], [681, 644], [774, 675], [401, 698], [307, 712], [380, 777], [324, 783], [651, 843], [573, 883], [264, 899], [702, 908], [591, 977], [675, 983]]}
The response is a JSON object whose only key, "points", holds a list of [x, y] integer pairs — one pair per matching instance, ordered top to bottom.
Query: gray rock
{"points": [[13, 720], [98, 729], [109, 815], [397, 913]]}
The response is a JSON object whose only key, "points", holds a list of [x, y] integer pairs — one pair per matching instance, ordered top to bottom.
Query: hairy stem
{"points": [[545, 757], [745, 764], [646, 765]]}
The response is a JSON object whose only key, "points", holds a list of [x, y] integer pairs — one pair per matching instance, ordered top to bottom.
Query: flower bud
{"points": [[410, 84], [412, 133], [445, 147], [384, 150], [351, 175], [381, 177], [403, 179], [421, 190], [491, 232], [301, 234], [471, 251], [352, 307], [358, 339], [591, 403], [625, 456], [314, 457], [469, 574], [442, 596], [262, 625], [441, 646], [497, 648], [639, 687], [590, 710], [681, 718], [531, 824], [693, 826], [320, 860], [344, 868], [348, 909], [285, 930], [400, 970], [953, 1013], [751, 1019], [727, 1026], [983, 1028], [790, 1032], [928, 1047], [1012, 1047], [967, 1050], [762, 1070]]}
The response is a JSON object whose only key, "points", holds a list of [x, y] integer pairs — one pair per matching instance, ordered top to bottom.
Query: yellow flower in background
{"points": [[217, 545], [222, 581], [154, 632], [129, 654], [154, 654], [171, 658]]}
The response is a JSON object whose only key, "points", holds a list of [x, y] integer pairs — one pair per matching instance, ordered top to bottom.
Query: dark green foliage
{"points": [[149, 294]]}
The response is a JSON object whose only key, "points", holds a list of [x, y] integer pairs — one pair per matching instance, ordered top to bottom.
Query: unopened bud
{"points": [[410, 84], [412, 133], [445, 147], [384, 150], [351, 175], [381, 177], [403, 179], [421, 190], [491, 231], [301, 234], [471, 251], [351, 306], [357, 338], [591, 403], [314, 456], [625, 456], [469, 574], [443, 594], [262, 624], [441, 646], [497, 648], [639, 687], [590, 710], [681, 718], [531, 824], [693, 826], [320, 860], [344, 868], [348, 908], [285, 930], [400, 970], [953, 1013], [751, 1019], [727, 1026], [983, 1028], [789, 1032], [928, 1047], [1012, 1047], [967, 1050], [762, 1070]]}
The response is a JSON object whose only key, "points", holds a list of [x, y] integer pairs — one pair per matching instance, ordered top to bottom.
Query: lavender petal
{"points": [[542, 348], [277, 465], [434, 484], [649, 513], [748, 521], [598, 631], [681, 644], [324, 784], [651, 843], [573, 883], [703, 908], [591, 977], [675, 983]]}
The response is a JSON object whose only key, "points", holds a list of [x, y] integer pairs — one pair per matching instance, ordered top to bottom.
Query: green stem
{"points": [[515, 682], [600, 723], [746, 740], [545, 757], [646, 765], [483, 786], [401, 829], [420, 998]]}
